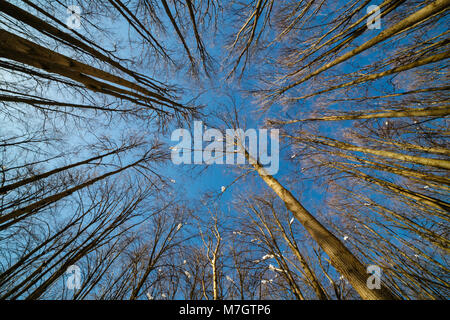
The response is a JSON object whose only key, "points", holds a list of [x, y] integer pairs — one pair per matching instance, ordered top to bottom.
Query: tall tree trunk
{"points": [[341, 258]]}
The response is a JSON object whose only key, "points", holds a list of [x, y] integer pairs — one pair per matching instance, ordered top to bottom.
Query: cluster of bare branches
{"points": [[363, 115], [385, 165]]}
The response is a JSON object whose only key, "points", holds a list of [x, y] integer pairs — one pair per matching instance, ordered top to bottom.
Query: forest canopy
{"points": [[347, 100]]}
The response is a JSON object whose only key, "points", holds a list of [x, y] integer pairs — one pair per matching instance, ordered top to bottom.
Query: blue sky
{"points": [[191, 182]]}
